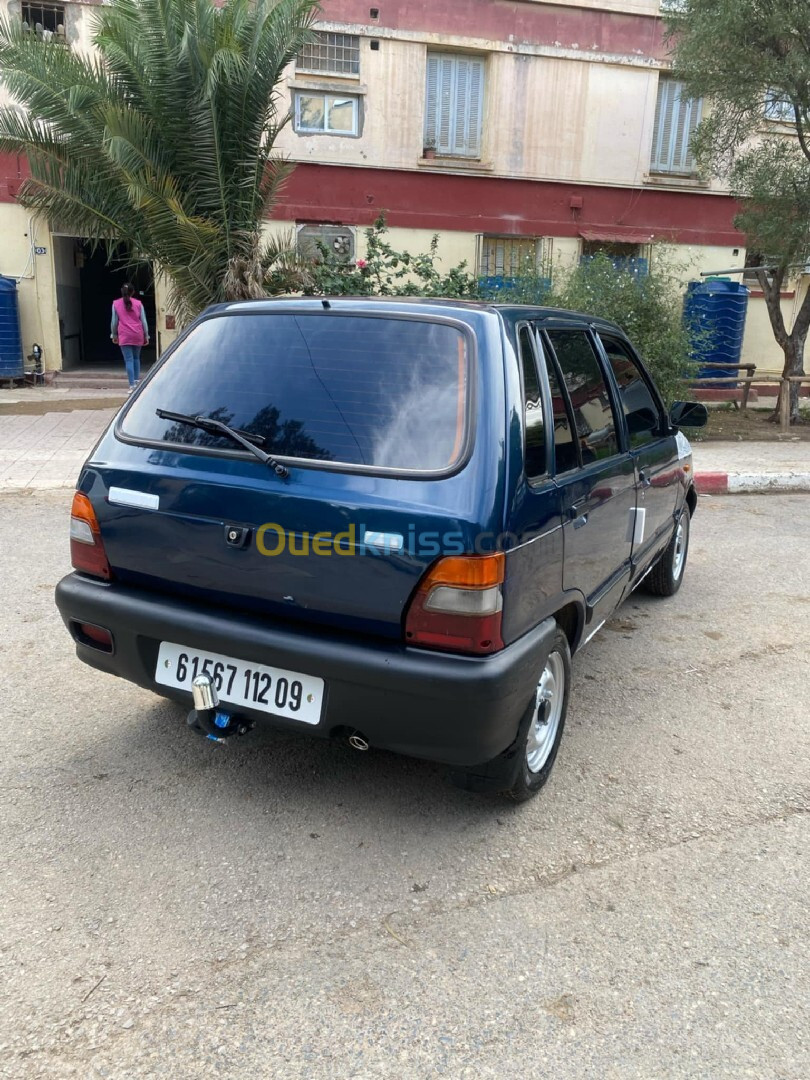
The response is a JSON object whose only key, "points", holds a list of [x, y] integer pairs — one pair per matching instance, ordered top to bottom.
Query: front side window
{"points": [[328, 53], [454, 102], [326, 114], [676, 121], [588, 392], [376, 393], [638, 404], [535, 447]]}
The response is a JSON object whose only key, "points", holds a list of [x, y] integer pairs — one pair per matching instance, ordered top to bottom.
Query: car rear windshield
{"points": [[379, 393]]}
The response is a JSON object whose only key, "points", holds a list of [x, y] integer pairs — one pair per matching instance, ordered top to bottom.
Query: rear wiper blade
{"points": [[245, 439]]}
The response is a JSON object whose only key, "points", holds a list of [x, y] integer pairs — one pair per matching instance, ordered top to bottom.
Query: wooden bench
{"points": [[735, 381]]}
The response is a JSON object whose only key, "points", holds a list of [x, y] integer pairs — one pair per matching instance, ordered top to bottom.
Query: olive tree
{"points": [[750, 60]]}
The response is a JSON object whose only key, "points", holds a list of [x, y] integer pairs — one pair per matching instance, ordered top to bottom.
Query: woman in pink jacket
{"points": [[130, 330]]}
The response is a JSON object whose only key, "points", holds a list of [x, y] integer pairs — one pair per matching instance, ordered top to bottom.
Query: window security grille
{"points": [[44, 19], [328, 53]]}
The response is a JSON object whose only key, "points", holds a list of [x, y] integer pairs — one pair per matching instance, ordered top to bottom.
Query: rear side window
{"points": [[587, 389], [379, 393], [640, 407], [565, 449], [535, 453]]}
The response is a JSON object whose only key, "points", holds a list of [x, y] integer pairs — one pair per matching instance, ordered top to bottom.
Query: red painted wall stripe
{"points": [[586, 29], [13, 170], [489, 204]]}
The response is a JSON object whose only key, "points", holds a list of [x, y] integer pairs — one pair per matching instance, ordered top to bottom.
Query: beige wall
{"points": [[549, 113], [36, 289]]}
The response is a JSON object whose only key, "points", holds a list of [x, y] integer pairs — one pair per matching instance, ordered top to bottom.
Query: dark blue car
{"points": [[386, 521]]}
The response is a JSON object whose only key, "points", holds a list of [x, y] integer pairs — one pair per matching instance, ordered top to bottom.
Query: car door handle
{"points": [[645, 480], [576, 517]]}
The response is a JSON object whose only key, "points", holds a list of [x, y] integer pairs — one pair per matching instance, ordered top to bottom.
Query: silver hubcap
{"points": [[679, 554], [548, 705]]}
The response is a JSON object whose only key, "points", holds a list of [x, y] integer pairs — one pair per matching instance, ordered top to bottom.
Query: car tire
{"points": [[666, 576], [542, 727]]}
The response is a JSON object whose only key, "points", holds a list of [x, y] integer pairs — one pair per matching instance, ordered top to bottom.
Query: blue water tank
{"points": [[716, 309], [11, 354]]}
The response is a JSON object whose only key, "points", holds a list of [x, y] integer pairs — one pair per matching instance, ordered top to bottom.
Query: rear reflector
{"points": [[86, 546], [457, 605], [96, 636]]}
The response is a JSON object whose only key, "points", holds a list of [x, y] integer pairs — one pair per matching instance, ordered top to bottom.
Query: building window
{"points": [[46, 20], [328, 53], [454, 101], [779, 108], [326, 114], [676, 120], [317, 242], [513, 256], [631, 258], [753, 260]]}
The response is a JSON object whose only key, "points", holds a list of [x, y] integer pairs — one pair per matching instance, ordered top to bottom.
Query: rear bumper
{"points": [[454, 709]]}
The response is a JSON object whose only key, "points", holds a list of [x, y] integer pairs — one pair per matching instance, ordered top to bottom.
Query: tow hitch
{"points": [[207, 717]]}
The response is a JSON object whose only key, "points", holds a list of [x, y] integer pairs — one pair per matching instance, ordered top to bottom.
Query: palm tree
{"points": [[162, 141]]}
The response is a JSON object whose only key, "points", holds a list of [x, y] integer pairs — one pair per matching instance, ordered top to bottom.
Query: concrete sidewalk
{"points": [[47, 451], [737, 467]]}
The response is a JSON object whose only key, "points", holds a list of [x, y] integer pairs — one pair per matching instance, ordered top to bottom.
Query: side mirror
{"points": [[688, 414]]}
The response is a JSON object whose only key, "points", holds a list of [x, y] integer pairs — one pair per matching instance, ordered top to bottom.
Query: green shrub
{"points": [[387, 272], [648, 308]]}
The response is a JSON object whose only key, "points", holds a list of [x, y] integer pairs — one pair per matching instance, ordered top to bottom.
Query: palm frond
{"points": [[164, 137]]}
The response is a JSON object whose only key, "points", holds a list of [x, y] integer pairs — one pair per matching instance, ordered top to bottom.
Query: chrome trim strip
{"points": [[127, 497]]}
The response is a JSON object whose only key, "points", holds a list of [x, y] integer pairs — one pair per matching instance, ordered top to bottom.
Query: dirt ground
{"points": [[727, 423]]}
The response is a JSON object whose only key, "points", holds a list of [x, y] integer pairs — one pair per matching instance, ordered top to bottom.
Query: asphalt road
{"points": [[170, 908]]}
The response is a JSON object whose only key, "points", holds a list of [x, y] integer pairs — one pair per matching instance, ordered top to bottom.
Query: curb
{"points": [[723, 483]]}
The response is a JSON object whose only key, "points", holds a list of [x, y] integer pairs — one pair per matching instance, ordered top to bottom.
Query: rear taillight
{"points": [[86, 546], [457, 605]]}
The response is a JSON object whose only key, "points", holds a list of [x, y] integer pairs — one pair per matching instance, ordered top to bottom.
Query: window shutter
{"points": [[447, 79], [432, 102], [454, 105], [461, 107], [475, 107], [676, 120], [662, 132]]}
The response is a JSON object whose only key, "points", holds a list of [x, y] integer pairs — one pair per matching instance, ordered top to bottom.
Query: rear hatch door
{"points": [[374, 417]]}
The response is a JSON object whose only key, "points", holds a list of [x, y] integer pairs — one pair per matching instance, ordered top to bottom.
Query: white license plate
{"points": [[241, 682]]}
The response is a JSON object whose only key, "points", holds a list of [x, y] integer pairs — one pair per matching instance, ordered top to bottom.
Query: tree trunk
{"points": [[792, 344]]}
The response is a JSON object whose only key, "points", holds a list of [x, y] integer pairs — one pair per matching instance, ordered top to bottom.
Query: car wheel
{"points": [[667, 574], [542, 728]]}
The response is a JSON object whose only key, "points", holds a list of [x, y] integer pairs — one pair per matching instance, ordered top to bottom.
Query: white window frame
{"points": [[455, 84], [676, 120], [326, 130]]}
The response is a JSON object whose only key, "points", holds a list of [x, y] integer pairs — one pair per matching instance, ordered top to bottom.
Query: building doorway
{"points": [[86, 285]]}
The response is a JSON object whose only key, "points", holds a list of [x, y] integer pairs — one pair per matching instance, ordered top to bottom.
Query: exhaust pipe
{"points": [[357, 741]]}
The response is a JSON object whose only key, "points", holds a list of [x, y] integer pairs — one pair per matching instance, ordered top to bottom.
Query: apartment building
{"points": [[519, 130]]}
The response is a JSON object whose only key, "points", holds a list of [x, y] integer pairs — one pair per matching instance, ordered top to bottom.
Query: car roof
{"points": [[511, 313]]}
